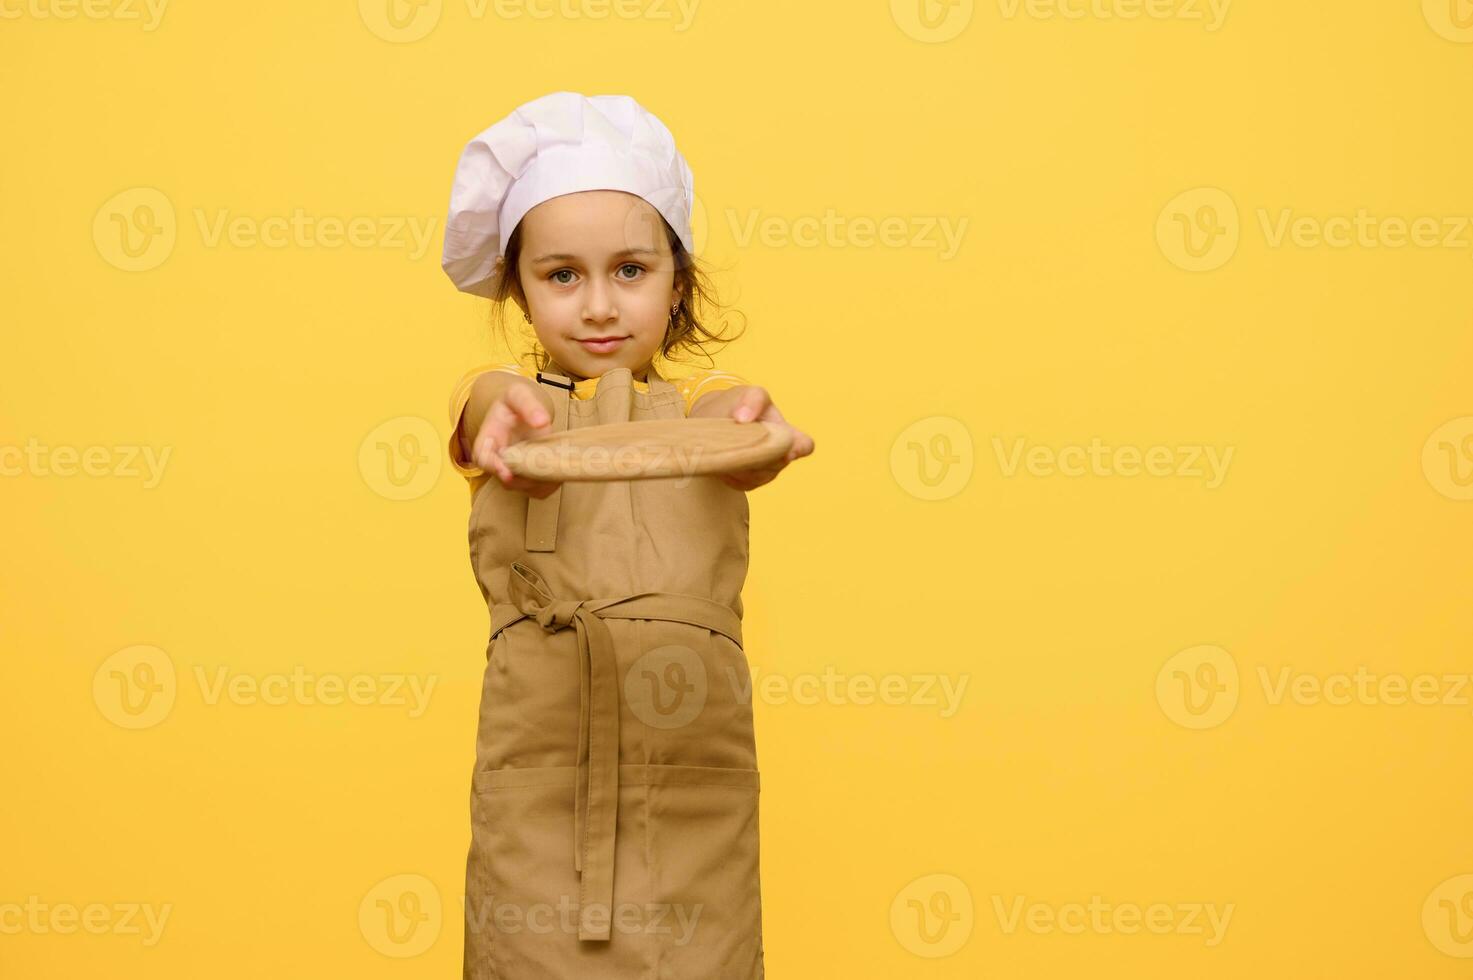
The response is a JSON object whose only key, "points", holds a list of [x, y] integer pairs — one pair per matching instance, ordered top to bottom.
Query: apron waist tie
{"points": [[596, 796]]}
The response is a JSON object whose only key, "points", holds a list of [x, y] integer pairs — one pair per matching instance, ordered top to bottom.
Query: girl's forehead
{"points": [[591, 223]]}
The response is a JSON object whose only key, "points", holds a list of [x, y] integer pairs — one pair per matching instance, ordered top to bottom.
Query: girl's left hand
{"points": [[755, 404]]}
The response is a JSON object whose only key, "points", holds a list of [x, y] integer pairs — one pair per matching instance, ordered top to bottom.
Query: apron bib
{"points": [[614, 803]]}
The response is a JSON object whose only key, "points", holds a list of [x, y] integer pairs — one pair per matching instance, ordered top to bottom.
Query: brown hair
{"points": [[686, 334]]}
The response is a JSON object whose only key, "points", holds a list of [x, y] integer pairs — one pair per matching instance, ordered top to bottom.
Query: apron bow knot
{"points": [[558, 615]]}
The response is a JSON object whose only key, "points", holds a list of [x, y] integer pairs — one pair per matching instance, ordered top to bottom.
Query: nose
{"points": [[598, 302]]}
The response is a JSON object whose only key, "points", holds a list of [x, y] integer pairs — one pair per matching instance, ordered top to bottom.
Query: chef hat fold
{"points": [[557, 144]]}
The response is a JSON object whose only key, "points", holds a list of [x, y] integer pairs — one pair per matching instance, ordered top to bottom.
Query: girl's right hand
{"points": [[517, 414]]}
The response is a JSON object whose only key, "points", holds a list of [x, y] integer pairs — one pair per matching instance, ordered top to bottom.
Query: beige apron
{"points": [[614, 799]]}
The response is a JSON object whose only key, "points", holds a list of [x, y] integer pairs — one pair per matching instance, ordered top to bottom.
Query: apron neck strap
{"points": [[558, 376]]}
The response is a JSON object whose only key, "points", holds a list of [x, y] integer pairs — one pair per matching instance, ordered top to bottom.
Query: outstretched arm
{"points": [[748, 403], [505, 408]]}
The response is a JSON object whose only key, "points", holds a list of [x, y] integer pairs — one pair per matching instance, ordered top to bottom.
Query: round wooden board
{"points": [[649, 450]]}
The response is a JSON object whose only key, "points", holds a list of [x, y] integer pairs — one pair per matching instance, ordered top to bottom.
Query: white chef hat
{"points": [[554, 145]]}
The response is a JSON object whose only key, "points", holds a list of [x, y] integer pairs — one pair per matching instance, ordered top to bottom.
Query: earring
{"points": [[674, 310], [527, 316]]}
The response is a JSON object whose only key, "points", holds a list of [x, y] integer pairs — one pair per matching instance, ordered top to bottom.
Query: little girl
{"points": [[614, 798]]}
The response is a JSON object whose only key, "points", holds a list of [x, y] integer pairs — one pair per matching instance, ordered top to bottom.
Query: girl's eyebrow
{"points": [[564, 257]]}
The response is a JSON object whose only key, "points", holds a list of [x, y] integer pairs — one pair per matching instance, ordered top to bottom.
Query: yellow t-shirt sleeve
{"points": [[703, 383], [459, 396]]}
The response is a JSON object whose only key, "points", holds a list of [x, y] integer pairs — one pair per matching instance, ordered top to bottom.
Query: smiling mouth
{"points": [[603, 343]]}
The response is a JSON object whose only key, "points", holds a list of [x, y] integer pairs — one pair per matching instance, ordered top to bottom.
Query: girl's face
{"points": [[598, 278]]}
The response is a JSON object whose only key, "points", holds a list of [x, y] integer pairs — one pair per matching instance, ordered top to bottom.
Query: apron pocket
{"points": [[704, 861], [520, 882], [686, 891]]}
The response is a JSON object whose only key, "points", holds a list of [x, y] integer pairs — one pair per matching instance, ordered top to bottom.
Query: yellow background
{"points": [[1333, 543]]}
